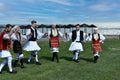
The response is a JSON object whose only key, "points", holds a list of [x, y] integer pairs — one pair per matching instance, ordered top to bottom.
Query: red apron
{"points": [[54, 42], [96, 46]]}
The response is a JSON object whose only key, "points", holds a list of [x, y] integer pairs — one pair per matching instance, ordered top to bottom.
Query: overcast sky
{"points": [[103, 13]]}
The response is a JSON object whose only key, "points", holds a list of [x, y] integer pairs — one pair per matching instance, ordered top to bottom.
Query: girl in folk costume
{"points": [[33, 34], [77, 37], [96, 39], [54, 42], [5, 44], [17, 47]]}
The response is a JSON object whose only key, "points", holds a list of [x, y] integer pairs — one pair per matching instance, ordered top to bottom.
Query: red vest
{"points": [[4, 43]]}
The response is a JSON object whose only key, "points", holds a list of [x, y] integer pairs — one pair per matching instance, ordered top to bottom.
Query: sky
{"points": [[103, 13]]}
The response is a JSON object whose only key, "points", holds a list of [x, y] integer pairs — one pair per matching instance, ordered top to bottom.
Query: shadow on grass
{"points": [[46, 58], [66, 58], [86, 59], [31, 62]]}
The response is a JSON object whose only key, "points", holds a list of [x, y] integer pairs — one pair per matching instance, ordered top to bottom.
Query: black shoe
{"points": [[95, 59], [76, 61], [38, 63], [13, 72]]}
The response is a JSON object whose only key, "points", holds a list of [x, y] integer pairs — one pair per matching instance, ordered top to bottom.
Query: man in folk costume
{"points": [[33, 34], [77, 37], [96, 39], [54, 42], [5, 44], [17, 47]]}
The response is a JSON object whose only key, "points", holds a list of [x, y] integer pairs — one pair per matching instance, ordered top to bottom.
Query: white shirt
{"points": [[55, 33], [39, 34], [6, 36], [77, 36], [14, 37], [102, 38]]}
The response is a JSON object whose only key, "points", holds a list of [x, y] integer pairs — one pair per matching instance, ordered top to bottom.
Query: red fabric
{"points": [[1, 40], [54, 42], [96, 42], [4, 43], [96, 46]]}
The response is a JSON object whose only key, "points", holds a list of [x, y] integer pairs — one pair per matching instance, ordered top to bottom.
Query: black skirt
{"points": [[17, 47]]}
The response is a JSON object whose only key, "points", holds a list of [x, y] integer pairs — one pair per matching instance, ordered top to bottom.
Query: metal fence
{"points": [[108, 32]]}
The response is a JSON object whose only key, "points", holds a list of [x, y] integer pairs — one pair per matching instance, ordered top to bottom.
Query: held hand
{"points": [[66, 33], [46, 34]]}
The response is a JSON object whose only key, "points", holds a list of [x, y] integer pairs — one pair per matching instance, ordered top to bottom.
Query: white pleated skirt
{"points": [[31, 46], [76, 46], [5, 53]]}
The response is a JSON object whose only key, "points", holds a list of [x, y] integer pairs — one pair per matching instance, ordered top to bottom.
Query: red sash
{"points": [[54, 42]]}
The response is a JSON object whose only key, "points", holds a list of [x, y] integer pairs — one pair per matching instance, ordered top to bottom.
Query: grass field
{"points": [[107, 68]]}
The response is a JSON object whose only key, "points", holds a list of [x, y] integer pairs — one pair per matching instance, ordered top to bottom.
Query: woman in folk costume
{"points": [[33, 34], [77, 37], [96, 39], [54, 42], [5, 44], [17, 47]]}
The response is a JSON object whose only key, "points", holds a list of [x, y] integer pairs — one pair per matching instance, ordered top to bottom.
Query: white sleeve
{"points": [[28, 32], [39, 34], [49, 34], [61, 34], [6, 36], [13, 36], [69, 36], [23, 37], [84, 37], [102, 37], [89, 38]]}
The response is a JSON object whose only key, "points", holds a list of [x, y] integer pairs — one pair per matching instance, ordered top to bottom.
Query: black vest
{"points": [[52, 33], [74, 35], [32, 37], [93, 39]]}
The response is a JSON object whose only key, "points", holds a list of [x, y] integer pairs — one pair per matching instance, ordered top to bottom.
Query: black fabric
{"points": [[74, 35], [32, 37], [94, 38], [17, 47], [55, 55], [95, 59], [21, 61], [15, 63]]}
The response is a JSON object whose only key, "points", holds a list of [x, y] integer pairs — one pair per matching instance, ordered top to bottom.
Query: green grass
{"points": [[107, 68]]}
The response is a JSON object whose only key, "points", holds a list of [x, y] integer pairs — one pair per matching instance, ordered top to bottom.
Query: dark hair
{"points": [[33, 21], [8, 25], [77, 25]]}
